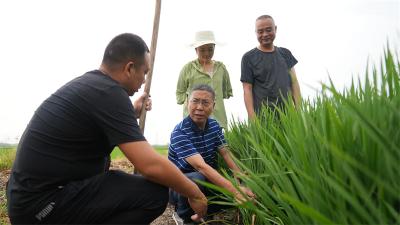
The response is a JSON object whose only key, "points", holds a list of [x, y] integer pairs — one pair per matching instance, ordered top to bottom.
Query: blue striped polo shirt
{"points": [[187, 140]]}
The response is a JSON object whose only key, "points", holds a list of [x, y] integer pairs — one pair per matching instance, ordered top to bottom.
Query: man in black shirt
{"points": [[267, 72], [58, 175]]}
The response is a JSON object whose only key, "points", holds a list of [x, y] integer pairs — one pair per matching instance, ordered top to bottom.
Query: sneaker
{"points": [[177, 219]]}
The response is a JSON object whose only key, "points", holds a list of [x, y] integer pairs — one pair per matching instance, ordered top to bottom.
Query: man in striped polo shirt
{"points": [[193, 148]]}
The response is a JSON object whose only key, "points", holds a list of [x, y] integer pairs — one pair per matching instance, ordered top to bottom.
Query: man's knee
{"points": [[131, 188], [159, 194], [164, 194], [175, 197], [161, 199]]}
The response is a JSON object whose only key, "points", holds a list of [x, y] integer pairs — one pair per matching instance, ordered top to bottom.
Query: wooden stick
{"points": [[142, 119]]}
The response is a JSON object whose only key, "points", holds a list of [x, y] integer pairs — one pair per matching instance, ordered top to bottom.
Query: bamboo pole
{"points": [[142, 119]]}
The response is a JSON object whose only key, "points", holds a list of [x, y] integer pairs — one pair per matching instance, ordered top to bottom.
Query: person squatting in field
{"points": [[194, 146]]}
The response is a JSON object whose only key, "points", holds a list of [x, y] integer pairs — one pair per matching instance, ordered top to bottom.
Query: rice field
{"points": [[335, 161]]}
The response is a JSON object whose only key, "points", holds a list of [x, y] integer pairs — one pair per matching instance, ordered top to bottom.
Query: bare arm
{"points": [[295, 88], [248, 99], [226, 155], [158, 169], [210, 173], [214, 177]]}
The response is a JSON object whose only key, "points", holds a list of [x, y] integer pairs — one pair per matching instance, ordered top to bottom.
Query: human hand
{"points": [[138, 104], [252, 115], [240, 176], [244, 190], [247, 191], [199, 206]]}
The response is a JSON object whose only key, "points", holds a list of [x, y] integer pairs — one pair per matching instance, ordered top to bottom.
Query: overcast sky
{"points": [[46, 43]]}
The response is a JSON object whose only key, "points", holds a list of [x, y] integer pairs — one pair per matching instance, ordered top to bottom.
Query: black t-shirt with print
{"points": [[69, 137]]}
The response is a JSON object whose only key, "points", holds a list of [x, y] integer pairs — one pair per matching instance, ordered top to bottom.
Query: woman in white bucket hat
{"points": [[204, 70]]}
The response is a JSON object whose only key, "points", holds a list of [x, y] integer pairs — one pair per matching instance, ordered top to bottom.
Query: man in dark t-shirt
{"points": [[267, 71], [58, 175]]}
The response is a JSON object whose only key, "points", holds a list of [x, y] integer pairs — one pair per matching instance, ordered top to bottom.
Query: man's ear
{"points": [[128, 69]]}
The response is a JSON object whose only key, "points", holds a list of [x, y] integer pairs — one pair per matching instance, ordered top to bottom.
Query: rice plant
{"points": [[7, 156], [335, 161]]}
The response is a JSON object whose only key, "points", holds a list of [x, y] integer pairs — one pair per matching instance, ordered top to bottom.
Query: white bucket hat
{"points": [[203, 38]]}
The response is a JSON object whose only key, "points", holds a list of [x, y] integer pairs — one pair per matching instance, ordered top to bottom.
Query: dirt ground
{"points": [[3, 179], [164, 219]]}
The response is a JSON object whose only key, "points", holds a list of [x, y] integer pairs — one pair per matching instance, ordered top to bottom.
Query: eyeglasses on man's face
{"points": [[203, 102]]}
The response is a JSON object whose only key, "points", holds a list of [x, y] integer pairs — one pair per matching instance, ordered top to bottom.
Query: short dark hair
{"points": [[264, 17], [124, 48], [203, 87]]}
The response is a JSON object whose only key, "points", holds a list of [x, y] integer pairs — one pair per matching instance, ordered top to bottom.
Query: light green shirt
{"points": [[192, 75]]}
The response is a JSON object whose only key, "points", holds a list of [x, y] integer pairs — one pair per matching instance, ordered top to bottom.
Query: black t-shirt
{"points": [[268, 72], [69, 137]]}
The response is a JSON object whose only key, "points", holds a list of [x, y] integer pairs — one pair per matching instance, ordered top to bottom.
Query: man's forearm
{"points": [[295, 88], [296, 94], [248, 100], [226, 155], [214, 177]]}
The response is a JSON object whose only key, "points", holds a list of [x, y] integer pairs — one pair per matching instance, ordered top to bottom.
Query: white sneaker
{"points": [[177, 219]]}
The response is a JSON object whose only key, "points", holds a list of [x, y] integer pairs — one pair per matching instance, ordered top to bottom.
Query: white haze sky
{"points": [[46, 43]]}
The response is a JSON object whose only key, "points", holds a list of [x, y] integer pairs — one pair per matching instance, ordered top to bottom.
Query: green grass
{"points": [[162, 149], [117, 154], [7, 155], [3, 210]]}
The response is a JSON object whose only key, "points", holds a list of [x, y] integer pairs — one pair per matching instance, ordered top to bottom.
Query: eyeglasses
{"points": [[202, 102]]}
